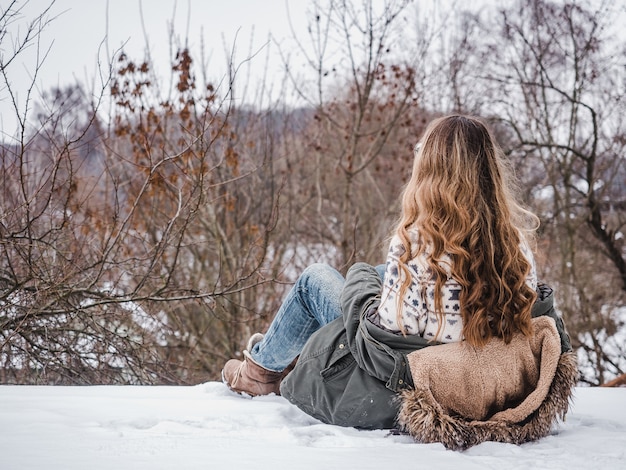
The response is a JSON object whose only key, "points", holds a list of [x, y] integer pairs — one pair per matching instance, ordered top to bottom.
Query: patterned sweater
{"points": [[418, 306]]}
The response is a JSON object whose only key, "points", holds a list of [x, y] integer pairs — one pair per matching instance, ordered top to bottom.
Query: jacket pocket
{"points": [[344, 362]]}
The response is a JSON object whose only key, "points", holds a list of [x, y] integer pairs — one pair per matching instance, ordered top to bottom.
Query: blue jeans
{"points": [[312, 302]]}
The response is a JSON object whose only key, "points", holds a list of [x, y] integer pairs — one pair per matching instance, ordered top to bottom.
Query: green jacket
{"points": [[350, 372]]}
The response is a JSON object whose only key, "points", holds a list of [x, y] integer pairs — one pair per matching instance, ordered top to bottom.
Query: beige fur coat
{"points": [[502, 392]]}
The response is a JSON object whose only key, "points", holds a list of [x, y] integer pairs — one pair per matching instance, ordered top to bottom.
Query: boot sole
{"points": [[225, 382]]}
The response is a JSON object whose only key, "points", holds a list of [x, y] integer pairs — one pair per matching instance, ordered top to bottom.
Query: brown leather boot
{"points": [[249, 377]]}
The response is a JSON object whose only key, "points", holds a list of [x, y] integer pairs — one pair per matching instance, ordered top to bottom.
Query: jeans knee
{"points": [[316, 270], [313, 274], [318, 276]]}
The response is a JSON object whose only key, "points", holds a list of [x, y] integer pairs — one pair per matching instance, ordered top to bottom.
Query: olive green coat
{"points": [[350, 372]]}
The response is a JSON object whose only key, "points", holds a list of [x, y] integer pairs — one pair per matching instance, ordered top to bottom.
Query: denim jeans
{"points": [[312, 302]]}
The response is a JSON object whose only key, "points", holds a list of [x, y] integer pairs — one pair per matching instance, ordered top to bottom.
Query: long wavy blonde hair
{"points": [[460, 200]]}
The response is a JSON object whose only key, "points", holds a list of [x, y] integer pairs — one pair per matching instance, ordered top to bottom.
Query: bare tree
{"points": [[356, 148], [134, 245]]}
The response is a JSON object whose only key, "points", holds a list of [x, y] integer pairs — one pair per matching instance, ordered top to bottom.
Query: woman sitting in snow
{"points": [[452, 340]]}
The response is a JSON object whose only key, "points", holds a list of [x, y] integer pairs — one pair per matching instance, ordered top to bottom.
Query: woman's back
{"points": [[461, 242], [419, 313]]}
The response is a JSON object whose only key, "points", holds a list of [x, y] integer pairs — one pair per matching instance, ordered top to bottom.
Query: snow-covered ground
{"points": [[208, 427]]}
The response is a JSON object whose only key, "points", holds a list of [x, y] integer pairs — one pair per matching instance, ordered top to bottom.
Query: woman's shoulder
{"points": [[397, 246]]}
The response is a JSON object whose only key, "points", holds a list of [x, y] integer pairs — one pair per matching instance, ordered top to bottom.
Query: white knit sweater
{"points": [[418, 306]]}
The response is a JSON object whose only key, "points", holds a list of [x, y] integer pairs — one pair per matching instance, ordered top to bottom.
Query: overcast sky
{"points": [[83, 33], [82, 36]]}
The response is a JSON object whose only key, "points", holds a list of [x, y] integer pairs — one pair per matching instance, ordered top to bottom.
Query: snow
{"points": [[207, 426]]}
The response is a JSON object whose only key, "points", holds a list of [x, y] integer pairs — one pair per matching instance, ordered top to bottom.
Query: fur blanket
{"points": [[502, 392]]}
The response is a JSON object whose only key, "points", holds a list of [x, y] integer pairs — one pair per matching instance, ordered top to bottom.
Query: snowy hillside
{"points": [[208, 427]]}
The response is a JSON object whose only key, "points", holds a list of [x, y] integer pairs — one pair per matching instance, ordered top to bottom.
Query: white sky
{"points": [[84, 32]]}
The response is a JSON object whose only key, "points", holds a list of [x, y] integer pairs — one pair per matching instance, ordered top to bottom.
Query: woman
{"points": [[459, 268]]}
